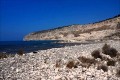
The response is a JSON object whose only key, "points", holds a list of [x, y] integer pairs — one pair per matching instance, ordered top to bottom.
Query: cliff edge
{"points": [[106, 29]]}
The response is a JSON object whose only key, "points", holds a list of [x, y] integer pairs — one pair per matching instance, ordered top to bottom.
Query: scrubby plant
{"points": [[105, 49], [20, 52], [112, 52], [96, 54], [3, 55], [87, 60], [111, 63], [70, 64], [103, 67], [118, 73]]}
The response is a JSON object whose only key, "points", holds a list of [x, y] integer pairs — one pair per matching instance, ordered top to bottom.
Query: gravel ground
{"points": [[53, 64]]}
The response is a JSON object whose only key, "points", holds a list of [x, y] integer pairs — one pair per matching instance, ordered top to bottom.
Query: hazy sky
{"points": [[20, 17]]}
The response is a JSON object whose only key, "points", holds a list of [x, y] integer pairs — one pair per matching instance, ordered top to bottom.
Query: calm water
{"points": [[29, 46]]}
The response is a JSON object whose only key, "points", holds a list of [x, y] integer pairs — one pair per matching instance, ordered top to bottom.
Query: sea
{"points": [[12, 47]]}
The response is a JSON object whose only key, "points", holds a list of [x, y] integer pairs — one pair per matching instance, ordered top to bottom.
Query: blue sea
{"points": [[12, 47]]}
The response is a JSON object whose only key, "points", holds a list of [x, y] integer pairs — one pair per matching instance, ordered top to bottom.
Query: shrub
{"points": [[105, 49], [20, 52], [112, 52], [96, 54], [3, 55], [87, 60], [111, 63], [70, 64], [103, 67], [118, 73]]}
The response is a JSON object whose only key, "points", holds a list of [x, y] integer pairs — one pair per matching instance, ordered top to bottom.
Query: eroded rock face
{"points": [[105, 29]]}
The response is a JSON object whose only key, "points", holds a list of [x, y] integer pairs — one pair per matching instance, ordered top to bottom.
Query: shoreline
{"points": [[51, 64]]}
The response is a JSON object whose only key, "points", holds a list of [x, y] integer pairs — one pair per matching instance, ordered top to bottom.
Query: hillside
{"points": [[106, 29]]}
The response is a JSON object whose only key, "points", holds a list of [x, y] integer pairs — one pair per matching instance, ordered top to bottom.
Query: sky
{"points": [[20, 17]]}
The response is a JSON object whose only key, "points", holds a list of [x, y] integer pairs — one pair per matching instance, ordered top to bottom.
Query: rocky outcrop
{"points": [[100, 30]]}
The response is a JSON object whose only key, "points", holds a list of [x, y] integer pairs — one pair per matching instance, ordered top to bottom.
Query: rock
{"points": [[33, 67], [88, 73], [57, 77]]}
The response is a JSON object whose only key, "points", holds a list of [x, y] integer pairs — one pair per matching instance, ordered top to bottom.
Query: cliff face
{"points": [[109, 28]]}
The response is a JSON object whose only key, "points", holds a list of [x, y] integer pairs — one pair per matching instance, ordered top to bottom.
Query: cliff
{"points": [[106, 29]]}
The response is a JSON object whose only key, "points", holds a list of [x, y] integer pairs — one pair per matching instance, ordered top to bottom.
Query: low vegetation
{"points": [[105, 49], [20, 52], [112, 52], [96, 54], [3, 55], [87, 60], [111, 63], [70, 64], [103, 67]]}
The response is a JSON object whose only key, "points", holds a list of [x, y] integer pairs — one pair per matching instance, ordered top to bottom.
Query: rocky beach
{"points": [[59, 39], [80, 62]]}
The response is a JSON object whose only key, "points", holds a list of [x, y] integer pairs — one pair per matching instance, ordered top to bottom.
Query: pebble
{"points": [[33, 67]]}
